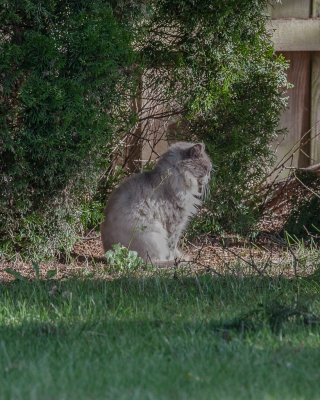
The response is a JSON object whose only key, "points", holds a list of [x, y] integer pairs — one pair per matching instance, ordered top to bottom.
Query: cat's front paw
{"points": [[181, 257]]}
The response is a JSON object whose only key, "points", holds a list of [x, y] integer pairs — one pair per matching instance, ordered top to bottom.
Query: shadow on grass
{"points": [[253, 303], [273, 314], [173, 337], [169, 360]]}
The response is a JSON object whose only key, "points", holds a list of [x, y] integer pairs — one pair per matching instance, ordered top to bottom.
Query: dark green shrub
{"points": [[219, 70], [68, 73], [62, 74], [304, 219]]}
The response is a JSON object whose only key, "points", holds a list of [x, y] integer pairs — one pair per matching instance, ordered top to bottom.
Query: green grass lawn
{"points": [[160, 337]]}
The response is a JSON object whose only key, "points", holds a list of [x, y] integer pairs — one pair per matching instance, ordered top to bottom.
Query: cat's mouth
{"points": [[204, 183], [204, 187]]}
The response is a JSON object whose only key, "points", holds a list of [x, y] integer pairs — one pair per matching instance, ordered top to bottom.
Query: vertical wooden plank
{"points": [[315, 8], [291, 9], [315, 96], [315, 108], [296, 118]]}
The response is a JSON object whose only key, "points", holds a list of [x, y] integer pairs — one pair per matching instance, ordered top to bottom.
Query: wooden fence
{"points": [[295, 28]]}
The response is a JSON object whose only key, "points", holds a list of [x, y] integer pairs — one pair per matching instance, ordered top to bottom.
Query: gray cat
{"points": [[149, 211]]}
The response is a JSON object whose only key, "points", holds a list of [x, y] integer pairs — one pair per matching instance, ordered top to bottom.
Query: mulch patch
{"points": [[268, 254]]}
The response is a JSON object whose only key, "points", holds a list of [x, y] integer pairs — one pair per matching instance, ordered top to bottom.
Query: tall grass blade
{"points": [[35, 266], [51, 273], [16, 274]]}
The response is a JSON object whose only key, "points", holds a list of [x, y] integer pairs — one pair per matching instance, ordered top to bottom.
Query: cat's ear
{"points": [[196, 150]]}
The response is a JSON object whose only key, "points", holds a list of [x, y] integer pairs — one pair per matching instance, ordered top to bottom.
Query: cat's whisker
{"points": [[205, 189], [206, 192]]}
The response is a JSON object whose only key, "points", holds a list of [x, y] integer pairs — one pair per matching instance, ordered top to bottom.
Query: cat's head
{"points": [[191, 160]]}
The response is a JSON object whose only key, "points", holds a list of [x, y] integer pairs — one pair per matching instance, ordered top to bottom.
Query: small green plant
{"points": [[304, 220], [122, 259]]}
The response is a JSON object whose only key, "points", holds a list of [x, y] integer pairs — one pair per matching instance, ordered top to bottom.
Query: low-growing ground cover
{"points": [[160, 335]]}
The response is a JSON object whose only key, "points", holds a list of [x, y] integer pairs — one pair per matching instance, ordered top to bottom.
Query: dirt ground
{"points": [[268, 254], [206, 255]]}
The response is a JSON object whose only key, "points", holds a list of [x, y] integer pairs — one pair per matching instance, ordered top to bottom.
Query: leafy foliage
{"points": [[62, 66], [69, 71], [219, 72], [304, 219]]}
